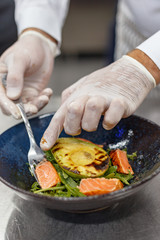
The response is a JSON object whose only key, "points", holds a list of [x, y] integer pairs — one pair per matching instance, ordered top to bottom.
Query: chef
{"points": [[115, 91]]}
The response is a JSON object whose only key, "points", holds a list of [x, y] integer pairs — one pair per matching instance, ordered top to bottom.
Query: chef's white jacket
{"points": [[49, 16]]}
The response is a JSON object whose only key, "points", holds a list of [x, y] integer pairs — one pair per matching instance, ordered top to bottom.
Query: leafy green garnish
{"points": [[49, 156], [132, 156], [112, 170], [112, 173], [124, 177], [69, 183], [35, 186], [69, 186], [50, 189]]}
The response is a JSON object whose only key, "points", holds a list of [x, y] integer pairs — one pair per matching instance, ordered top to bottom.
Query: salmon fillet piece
{"points": [[119, 159], [47, 175], [98, 186]]}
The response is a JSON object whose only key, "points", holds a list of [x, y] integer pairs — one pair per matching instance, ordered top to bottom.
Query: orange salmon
{"points": [[119, 159], [47, 175], [98, 186]]}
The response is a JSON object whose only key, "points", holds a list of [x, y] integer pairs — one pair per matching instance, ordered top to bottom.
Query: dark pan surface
{"points": [[135, 133]]}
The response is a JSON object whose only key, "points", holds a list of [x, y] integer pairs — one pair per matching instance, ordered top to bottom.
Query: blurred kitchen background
{"points": [[88, 44]]}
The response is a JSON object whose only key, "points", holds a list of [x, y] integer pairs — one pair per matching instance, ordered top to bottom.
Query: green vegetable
{"points": [[132, 156], [112, 173], [124, 177], [69, 185], [35, 186], [67, 188], [50, 189]]}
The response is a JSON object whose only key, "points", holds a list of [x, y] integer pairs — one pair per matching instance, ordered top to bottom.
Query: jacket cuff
{"points": [[43, 19], [151, 47]]}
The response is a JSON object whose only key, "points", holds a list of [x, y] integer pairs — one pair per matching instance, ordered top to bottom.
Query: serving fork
{"points": [[35, 154]]}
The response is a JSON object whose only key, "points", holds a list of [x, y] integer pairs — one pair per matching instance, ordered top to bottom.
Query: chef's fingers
{"points": [[17, 64], [68, 91], [48, 92], [31, 95], [40, 101], [6, 105], [8, 108], [94, 108], [30, 109], [114, 114], [74, 115], [54, 129]]}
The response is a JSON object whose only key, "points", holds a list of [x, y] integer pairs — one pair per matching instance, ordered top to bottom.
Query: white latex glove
{"points": [[29, 64], [115, 91]]}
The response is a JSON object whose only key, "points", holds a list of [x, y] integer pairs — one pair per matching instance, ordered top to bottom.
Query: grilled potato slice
{"points": [[80, 159]]}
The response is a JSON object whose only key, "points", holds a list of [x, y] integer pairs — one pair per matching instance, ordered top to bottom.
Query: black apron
{"points": [[8, 29]]}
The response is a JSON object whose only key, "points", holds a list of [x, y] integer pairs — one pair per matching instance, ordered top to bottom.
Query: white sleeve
{"points": [[47, 15], [151, 47]]}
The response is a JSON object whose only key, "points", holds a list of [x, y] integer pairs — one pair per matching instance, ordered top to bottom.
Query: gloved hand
{"points": [[29, 64], [115, 91]]}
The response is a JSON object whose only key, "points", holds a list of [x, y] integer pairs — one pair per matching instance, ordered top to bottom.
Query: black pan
{"points": [[135, 133]]}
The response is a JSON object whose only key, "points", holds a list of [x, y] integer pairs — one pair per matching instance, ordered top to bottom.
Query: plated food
{"points": [[137, 136], [76, 167]]}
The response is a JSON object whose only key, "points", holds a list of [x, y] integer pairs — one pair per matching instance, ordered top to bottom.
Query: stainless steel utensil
{"points": [[35, 154]]}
